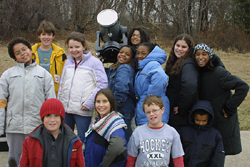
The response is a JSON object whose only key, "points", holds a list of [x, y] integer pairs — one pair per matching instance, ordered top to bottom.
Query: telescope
{"points": [[112, 34]]}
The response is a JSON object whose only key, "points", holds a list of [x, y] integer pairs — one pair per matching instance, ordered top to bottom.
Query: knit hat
{"points": [[204, 47], [52, 106]]}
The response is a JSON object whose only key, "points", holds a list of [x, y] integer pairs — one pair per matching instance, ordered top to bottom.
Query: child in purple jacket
{"points": [[83, 76]]}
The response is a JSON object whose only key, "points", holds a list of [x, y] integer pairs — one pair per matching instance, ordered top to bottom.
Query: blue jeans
{"points": [[127, 116], [127, 120], [82, 124]]}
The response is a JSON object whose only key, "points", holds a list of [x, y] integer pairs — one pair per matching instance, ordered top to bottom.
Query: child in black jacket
{"points": [[202, 143]]}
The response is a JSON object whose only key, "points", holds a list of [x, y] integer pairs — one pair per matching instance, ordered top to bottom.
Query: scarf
{"points": [[107, 125]]}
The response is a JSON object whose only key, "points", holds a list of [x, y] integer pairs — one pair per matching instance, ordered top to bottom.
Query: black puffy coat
{"points": [[216, 86], [182, 92], [202, 145]]}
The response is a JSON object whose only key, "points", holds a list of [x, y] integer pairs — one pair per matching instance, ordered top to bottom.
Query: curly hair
{"points": [[144, 36], [15, 41], [131, 62], [174, 66]]}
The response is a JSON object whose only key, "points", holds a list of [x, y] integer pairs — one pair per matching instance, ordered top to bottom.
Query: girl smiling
{"points": [[83, 76], [120, 78], [150, 79], [183, 80], [216, 84], [105, 140]]}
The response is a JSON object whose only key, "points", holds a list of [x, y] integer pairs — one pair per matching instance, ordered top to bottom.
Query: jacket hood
{"points": [[157, 54], [85, 56], [217, 61], [206, 106]]}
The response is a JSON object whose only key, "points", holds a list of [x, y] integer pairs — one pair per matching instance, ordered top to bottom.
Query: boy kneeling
{"points": [[52, 143], [202, 143], [151, 144]]}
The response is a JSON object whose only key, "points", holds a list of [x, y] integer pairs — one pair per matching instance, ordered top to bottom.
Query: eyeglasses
{"points": [[136, 35], [19, 52], [154, 111]]}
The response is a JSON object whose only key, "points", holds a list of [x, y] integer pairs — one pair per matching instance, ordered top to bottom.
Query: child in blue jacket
{"points": [[150, 79], [121, 80], [201, 142], [105, 143]]}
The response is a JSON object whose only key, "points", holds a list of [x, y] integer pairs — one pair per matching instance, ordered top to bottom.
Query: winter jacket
{"points": [[57, 60], [151, 79], [121, 84], [79, 86], [216, 86], [182, 92], [22, 93], [105, 142], [202, 145], [32, 152]]}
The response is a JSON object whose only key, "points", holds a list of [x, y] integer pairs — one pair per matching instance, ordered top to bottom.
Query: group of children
{"points": [[67, 90]]}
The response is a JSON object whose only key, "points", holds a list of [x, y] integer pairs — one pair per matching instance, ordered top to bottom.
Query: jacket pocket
{"points": [[112, 75], [39, 79], [15, 81], [39, 82], [9, 117], [226, 127], [187, 145], [187, 148], [206, 152], [73, 158], [36, 159]]}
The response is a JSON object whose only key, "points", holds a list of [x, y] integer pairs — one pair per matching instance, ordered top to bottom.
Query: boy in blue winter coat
{"points": [[202, 143]]}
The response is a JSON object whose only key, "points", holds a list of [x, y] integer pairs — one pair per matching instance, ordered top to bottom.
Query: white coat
{"points": [[22, 93]]}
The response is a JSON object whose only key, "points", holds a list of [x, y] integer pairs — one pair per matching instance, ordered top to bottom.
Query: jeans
{"points": [[127, 117], [127, 120], [82, 124]]}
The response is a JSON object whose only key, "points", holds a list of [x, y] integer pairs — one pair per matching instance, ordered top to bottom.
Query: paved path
{"points": [[240, 160]]}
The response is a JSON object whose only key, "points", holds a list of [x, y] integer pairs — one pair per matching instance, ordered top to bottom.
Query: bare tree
{"points": [[161, 18]]}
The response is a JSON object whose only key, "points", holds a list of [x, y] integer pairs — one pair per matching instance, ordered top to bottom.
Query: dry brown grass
{"points": [[236, 63]]}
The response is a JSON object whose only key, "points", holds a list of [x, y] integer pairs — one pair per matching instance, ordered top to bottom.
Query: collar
{"points": [[24, 65]]}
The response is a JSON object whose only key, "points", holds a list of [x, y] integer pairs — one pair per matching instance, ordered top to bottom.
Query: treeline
{"points": [[221, 23]]}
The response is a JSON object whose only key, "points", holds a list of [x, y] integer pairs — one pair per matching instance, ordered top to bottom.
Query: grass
{"points": [[237, 64]]}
